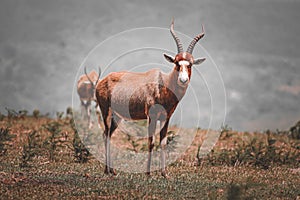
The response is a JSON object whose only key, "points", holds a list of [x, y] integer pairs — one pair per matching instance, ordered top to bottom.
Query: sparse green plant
{"points": [[69, 112], [11, 113], [22, 113], [36, 113], [59, 115], [2, 117], [143, 123], [226, 128], [225, 131], [295, 131], [5, 137], [55, 139], [171, 141], [134, 144], [30, 149], [256, 152], [81, 153], [269, 154], [198, 156], [212, 157], [234, 192]]}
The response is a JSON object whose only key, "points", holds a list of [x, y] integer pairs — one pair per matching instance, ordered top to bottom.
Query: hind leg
{"points": [[107, 117], [114, 125], [163, 144]]}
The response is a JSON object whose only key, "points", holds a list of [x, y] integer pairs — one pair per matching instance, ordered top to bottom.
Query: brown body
{"points": [[86, 91], [139, 91], [151, 95]]}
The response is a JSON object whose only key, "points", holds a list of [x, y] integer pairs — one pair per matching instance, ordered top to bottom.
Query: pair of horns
{"points": [[192, 44], [99, 74]]}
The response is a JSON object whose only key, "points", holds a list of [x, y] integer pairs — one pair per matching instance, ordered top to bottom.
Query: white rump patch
{"points": [[184, 62]]}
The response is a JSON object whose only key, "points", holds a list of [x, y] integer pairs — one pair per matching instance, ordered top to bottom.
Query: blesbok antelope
{"points": [[86, 90], [152, 95]]}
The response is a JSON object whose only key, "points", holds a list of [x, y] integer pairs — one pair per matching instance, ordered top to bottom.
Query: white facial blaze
{"points": [[183, 62], [183, 75], [84, 102]]}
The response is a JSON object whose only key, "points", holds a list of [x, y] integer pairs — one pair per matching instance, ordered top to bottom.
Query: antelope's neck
{"points": [[172, 85]]}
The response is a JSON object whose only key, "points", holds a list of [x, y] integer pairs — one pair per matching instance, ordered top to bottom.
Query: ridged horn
{"points": [[195, 40], [178, 43], [99, 74]]}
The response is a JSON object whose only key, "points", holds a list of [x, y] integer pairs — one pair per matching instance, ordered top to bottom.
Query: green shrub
{"points": [[69, 112], [11, 113], [22, 113], [36, 113], [59, 115], [2, 117], [295, 131], [225, 132], [5, 137], [55, 139], [133, 142], [30, 149], [257, 152], [81, 153], [234, 192]]}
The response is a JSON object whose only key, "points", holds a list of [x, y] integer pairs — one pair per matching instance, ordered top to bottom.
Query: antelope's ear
{"points": [[169, 58], [199, 61]]}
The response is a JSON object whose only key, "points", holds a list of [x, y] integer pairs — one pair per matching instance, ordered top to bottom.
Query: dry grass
{"points": [[217, 176]]}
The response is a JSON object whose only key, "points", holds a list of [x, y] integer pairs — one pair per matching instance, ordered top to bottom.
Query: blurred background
{"points": [[253, 43]]}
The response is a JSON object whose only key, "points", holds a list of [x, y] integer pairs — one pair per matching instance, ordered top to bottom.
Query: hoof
{"points": [[106, 171], [110, 171], [113, 171], [148, 174], [165, 175]]}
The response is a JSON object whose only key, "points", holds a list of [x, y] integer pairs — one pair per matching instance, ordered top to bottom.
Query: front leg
{"points": [[83, 110], [89, 110], [151, 132], [163, 144]]}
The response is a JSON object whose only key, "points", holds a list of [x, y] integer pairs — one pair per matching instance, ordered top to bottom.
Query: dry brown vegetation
{"points": [[44, 158]]}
